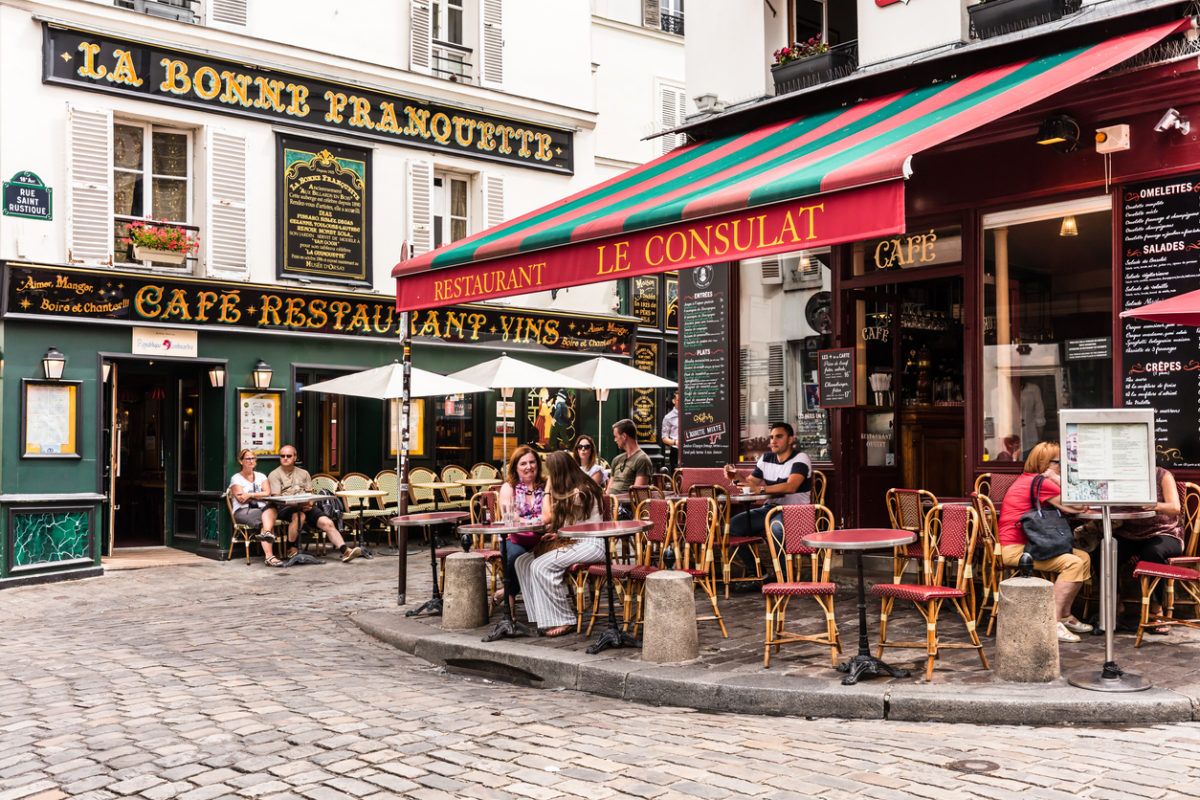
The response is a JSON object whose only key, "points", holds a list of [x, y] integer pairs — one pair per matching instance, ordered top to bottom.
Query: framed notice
{"points": [[325, 211], [671, 302], [835, 377], [259, 414], [50, 418], [416, 427], [1107, 456]]}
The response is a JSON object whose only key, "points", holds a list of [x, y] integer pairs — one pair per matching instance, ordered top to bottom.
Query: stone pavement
{"points": [[729, 673], [226, 681]]}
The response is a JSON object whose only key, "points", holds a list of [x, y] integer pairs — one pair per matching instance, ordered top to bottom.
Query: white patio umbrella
{"points": [[506, 374], [603, 374]]}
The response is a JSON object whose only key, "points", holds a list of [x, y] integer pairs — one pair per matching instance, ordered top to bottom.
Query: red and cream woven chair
{"points": [[663, 482], [995, 485], [907, 509], [798, 521], [693, 536], [949, 540], [652, 544], [728, 545], [987, 552], [641, 555]]}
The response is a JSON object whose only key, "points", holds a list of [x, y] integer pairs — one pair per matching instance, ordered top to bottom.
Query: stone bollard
{"points": [[464, 601], [670, 618], [1027, 632]]}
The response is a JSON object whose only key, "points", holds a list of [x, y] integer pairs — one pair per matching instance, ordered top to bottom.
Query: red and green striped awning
{"points": [[833, 177]]}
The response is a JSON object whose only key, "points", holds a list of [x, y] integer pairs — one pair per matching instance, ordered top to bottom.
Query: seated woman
{"points": [[589, 459], [248, 488], [521, 492], [573, 499], [1156, 539], [1072, 568]]}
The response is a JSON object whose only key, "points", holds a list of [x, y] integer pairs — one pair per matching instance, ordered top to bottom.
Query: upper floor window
{"points": [[181, 10], [666, 15], [834, 21], [460, 40], [451, 53], [151, 178], [450, 208]]}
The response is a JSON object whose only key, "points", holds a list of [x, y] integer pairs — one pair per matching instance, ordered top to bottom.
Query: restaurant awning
{"points": [[828, 178]]}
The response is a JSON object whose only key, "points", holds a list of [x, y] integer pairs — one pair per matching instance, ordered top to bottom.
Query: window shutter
{"points": [[227, 12], [650, 14], [491, 43], [420, 48], [672, 103], [89, 185], [493, 201], [226, 202], [420, 206], [770, 270], [776, 382], [743, 393]]}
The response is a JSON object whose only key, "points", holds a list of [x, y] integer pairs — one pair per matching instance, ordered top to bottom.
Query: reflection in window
{"points": [[1046, 291]]}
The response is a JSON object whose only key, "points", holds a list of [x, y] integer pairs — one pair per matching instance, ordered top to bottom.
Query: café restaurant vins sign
{"points": [[104, 63], [38, 291]]}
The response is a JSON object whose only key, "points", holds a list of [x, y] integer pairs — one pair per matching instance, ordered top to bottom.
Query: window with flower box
{"points": [[152, 178]]}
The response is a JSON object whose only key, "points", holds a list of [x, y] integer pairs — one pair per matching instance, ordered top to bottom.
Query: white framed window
{"points": [[460, 40], [152, 177], [451, 208]]}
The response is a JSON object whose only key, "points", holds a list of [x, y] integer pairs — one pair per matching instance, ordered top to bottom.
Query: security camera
{"points": [[1172, 120]]}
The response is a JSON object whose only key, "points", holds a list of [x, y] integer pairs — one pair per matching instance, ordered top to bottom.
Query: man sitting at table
{"points": [[631, 467], [784, 474], [286, 479]]}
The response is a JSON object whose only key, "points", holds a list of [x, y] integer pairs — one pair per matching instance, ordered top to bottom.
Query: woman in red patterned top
{"points": [[1072, 568]]}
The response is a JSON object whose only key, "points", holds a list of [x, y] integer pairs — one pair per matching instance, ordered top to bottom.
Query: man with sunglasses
{"points": [[286, 479]]}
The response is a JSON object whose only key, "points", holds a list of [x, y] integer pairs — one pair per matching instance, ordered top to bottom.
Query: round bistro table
{"points": [[360, 498], [429, 520], [857, 540], [508, 626], [613, 636]]}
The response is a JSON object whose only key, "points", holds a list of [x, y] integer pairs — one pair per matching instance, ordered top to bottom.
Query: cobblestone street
{"points": [[222, 680]]}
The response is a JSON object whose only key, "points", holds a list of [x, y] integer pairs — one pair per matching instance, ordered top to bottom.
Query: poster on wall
{"points": [[324, 198], [1160, 237], [671, 302], [704, 344], [551, 413], [50, 418], [258, 420], [416, 427]]}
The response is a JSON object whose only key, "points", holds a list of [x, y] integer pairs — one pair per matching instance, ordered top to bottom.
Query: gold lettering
{"points": [[90, 68], [124, 72], [209, 75], [176, 80], [237, 88], [270, 93], [337, 101], [299, 105], [362, 113], [387, 121], [418, 122], [459, 124], [439, 126], [505, 132], [526, 138], [487, 139], [544, 153], [676, 236], [722, 238], [737, 244], [927, 252], [651, 260], [620, 261], [146, 301], [204, 301], [177, 305], [270, 305], [229, 306], [339, 308], [391, 311], [295, 313], [316, 313], [361, 320], [476, 322], [507, 325], [430, 326], [551, 336]]}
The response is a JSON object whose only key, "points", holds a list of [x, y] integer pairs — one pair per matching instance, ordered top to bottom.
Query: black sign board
{"points": [[104, 63], [26, 196], [324, 197], [1160, 243], [42, 291], [646, 297], [1092, 349], [835, 377], [643, 401], [705, 406]]}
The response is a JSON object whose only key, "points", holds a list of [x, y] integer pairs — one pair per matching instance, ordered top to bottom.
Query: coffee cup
{"points": [[745, 490]]}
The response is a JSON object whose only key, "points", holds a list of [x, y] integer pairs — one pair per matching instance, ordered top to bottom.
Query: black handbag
{"points": [[1047, 532]]}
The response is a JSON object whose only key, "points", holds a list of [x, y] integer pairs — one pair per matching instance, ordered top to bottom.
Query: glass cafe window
{"points": [[152, 177], [784, 319], [1047, 321]]}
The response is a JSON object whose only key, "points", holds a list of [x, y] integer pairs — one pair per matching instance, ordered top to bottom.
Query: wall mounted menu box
{"points": [[113, 65], [324, 193], [26, 196], [1160, 239], [835, 377], [706, 409], [259, 414], [50, 418], [416, 427]]}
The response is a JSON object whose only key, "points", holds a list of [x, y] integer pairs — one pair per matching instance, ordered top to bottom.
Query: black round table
{"points": [[508, 626], [612, 636]]}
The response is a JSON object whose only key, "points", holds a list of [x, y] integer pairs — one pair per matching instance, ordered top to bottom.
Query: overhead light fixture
{"points": [[1172, 120], [1060, 132], [1068, 227], [53, 364], [262, 375], [216, 376], [507, 392]]}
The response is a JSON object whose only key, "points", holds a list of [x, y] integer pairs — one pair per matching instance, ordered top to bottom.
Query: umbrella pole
{"points": [[402, 459]]}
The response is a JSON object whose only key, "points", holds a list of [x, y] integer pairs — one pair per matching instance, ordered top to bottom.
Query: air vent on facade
{"points": [[771, 270]]}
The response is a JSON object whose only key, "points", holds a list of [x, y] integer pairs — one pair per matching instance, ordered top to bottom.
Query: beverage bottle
{"points": [[487, 513]]}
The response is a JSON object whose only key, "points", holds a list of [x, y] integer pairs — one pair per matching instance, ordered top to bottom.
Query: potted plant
{"points": [[994, 17], [802, 64], [162, 242]]}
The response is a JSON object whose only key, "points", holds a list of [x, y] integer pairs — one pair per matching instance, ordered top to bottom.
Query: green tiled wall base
{"points": [[49, 536]]}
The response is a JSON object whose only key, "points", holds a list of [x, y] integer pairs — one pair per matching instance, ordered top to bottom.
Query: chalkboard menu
{"points": [[325, 211], [1160, 245], [835, 377], [704, 415]]}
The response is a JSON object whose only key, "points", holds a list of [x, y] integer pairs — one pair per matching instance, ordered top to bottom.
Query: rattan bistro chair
{"points": [[907, 509], [242, 534], [790, 580]]}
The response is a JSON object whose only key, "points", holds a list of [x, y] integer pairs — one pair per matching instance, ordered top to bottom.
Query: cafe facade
{"points": [[131, 376]]}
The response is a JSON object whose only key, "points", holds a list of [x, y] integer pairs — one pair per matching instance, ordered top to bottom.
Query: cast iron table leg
{"points": [[359, 542], [434, 604], [507, 626], [613, 636], [864, 663]]}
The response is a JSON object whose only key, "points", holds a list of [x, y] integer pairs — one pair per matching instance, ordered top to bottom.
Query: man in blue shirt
{"points": [[784, 474]]}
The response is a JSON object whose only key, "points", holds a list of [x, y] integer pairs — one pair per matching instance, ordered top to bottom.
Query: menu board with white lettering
{"points": [[1160, 248], [835, 377], [704, 416]]}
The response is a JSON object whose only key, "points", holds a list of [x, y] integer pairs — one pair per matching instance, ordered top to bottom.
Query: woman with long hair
{"points": [[589, 459], [522, 493], [573, 498], [1072, 568]]}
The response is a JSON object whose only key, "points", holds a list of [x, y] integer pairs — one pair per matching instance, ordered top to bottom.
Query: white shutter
{"points": [[227, 12], [650, 14], [491, 43], [420, 47], [672, 105], [89, 185], [493, 201], [226, 202], [420, 206], [770, 270], [776, 382], [743, 391]]}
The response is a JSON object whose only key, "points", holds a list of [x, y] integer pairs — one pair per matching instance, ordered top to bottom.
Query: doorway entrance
{"points": [[910, 361]]}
